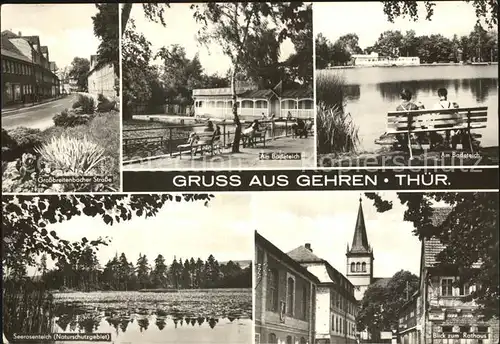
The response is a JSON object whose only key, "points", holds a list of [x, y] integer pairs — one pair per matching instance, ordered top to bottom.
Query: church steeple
{"points": [[360, 239]]}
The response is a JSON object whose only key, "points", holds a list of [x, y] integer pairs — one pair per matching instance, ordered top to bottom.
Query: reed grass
{"points": [[337, 133]]}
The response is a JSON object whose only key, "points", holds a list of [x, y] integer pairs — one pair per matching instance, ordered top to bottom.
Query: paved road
{"points": [[38, 116]]}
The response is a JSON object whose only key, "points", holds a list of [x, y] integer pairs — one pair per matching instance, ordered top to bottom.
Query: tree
{"points": [[485, 10], [152, 11], [232, 25], [389, 43], [108, 50], [324, 50], [80, 68], [25, 219], [469, 233], [42, 267], [143, 269], [159, 273], [174, 273], [381, 303]]}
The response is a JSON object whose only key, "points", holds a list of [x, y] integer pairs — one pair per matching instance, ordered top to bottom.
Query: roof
{"points": [[10, 49], [297, 93], [257, 94], [360, 238], [303, 255], [284, 257]]}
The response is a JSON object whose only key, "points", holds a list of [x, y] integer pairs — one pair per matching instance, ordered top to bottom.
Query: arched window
{"points": [[353, 267], [358, 267], [363, 267], [272, 290], [290, 296], [304, 302], [272, 338], [289, 340], [303, 340]]}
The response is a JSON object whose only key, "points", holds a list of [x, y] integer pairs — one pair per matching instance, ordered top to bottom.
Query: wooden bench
{"points": [[424, 121], [210, 141]]}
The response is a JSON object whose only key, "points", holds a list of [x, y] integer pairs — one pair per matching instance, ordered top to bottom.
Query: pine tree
{"points": [[143, 270], [159, 274]]}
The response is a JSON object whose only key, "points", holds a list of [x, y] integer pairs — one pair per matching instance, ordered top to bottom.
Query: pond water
{"points": [[372, 92], [134, 317]]}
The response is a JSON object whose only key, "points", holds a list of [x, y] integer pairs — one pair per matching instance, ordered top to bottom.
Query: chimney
{"points": [[308, 246]]}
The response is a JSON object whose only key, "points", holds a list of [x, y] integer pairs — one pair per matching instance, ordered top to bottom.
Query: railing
{"points": [[298, 113], [165, 139]]}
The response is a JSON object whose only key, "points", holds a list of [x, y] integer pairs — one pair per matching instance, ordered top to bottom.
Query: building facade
{"points": [[374, 60], [26, 70], [102, 79], [253, 103], [285, 297], [336, 306], [438, 312]]}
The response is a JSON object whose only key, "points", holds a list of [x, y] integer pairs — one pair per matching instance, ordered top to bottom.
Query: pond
{"points": [[372, 92], [215, 316]]}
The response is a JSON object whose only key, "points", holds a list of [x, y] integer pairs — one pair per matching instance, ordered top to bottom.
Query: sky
{"points": [[368, 21], [66, 29], [182, 29], [327, 220], [181, 230]]}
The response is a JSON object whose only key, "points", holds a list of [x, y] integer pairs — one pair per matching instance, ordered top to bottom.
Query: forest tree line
{"points": [[479, 46], [84, 273]]}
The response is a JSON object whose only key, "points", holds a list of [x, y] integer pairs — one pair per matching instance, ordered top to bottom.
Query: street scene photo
{"points": [[416, 84], [219, 85], [60, 98], [129, 268], [395, 268]]}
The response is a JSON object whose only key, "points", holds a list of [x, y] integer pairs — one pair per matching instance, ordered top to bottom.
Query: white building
{"points": [[374, 60], [102, 79], [253, 102]]}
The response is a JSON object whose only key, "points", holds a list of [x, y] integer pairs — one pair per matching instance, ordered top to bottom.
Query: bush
{"points": [[330, 89], [86, 103], [104, 104], [69, 119], [20, 140]]}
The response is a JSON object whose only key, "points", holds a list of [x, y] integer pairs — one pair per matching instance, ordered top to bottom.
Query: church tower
{"points": [[360, 257]]}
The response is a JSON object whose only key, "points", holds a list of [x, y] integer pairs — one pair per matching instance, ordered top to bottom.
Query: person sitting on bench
{"points": [[444, 103], [407, 105], [299, 128], [200, 140]]}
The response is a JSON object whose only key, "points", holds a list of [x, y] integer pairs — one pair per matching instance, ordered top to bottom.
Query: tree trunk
{"points": [[127, 8], [236, 118]]}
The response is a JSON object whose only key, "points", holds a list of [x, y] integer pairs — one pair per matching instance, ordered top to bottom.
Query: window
{"points": [[353, 267], [358, 267], [363, 267], [447, 287], [273, 290], [463, 290], [290, 296], [304, 302], [333, 322], [336, 324], [446, 329], [464, 329], [482, 329], [272, 338], [289, 340], [303, 340]]}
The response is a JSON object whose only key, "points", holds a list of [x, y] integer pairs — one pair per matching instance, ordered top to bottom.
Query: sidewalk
{"points": [[15, 107], [247, 158]]}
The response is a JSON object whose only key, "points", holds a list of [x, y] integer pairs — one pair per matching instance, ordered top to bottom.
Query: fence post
{"points": [[170, 141]]}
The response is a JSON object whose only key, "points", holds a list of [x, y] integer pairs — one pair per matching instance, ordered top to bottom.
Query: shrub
{"points": [[330, 89], [86, 103], [104, 104], [69, 119], [20, 140], [68, 154]]}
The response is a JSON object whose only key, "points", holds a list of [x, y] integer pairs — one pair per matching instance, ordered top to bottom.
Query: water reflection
{"points": [[479, 89], [371, 92], [131, 326]]}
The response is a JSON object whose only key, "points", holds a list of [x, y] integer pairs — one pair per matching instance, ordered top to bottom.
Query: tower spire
{"points": [[360, 239]]}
